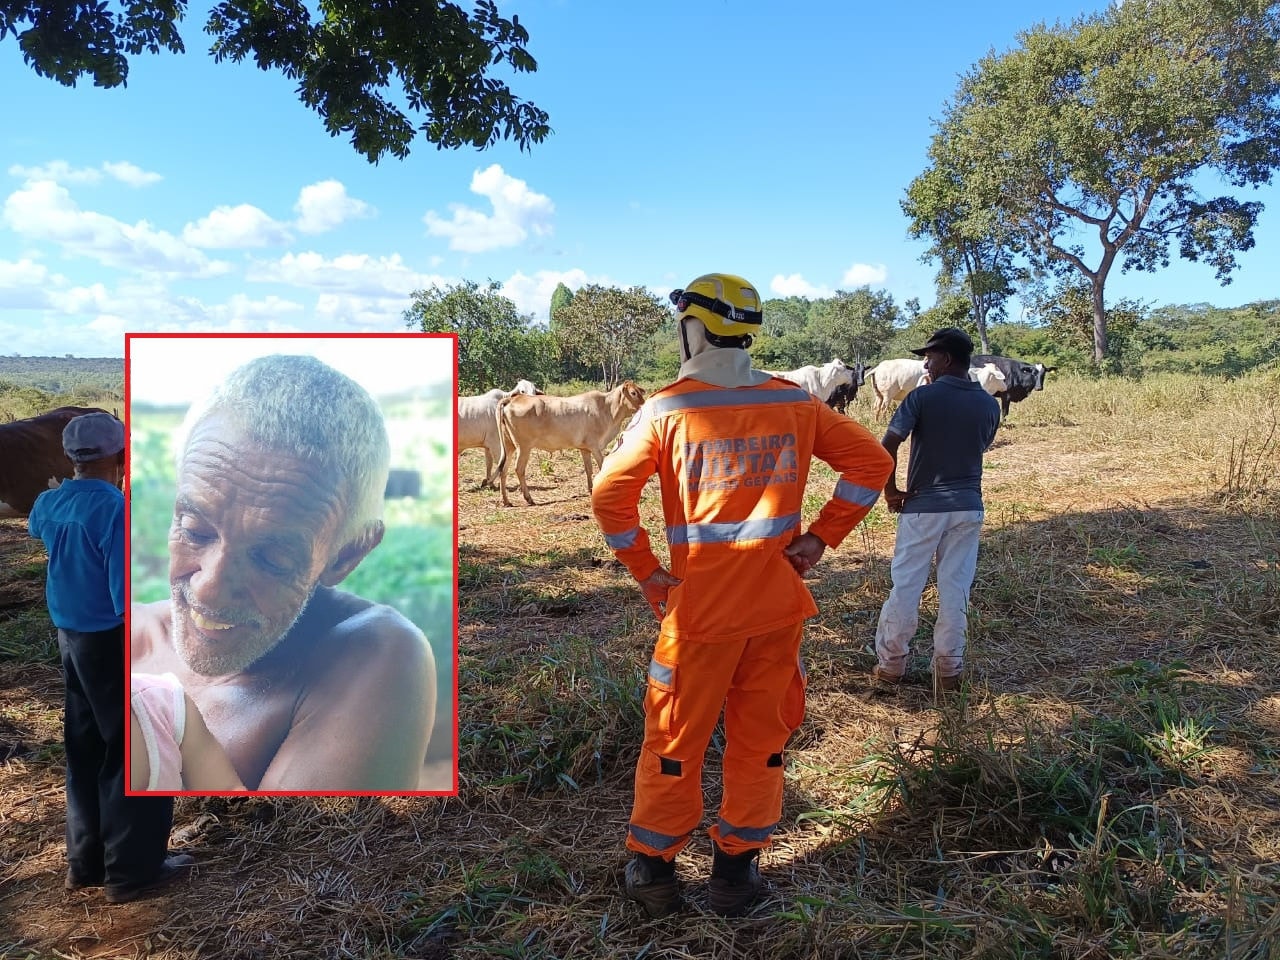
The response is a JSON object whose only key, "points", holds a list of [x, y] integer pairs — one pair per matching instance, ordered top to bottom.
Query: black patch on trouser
{"points": [[775, 760], [670, 768]]}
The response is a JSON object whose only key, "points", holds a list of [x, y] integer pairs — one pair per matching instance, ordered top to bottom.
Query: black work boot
{"points": [[735, 881], [651, 882]]}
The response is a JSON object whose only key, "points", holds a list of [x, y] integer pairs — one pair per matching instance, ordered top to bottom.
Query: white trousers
{"points": [[953, 539]]}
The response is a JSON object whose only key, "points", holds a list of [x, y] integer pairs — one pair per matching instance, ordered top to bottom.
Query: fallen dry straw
{"points": [[1108, 785]]}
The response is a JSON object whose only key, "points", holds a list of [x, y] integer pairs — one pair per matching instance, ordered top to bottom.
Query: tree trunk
{"points": [[980, 317], [1099, 319]]}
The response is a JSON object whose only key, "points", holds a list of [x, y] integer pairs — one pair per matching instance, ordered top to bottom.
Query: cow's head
{"points": [[1041, 370], [837, 372], [1025, 376], [526, 387], [632, 395]]}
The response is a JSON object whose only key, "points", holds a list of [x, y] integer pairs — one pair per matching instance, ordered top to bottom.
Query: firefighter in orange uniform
{"points": [[732, 448]]}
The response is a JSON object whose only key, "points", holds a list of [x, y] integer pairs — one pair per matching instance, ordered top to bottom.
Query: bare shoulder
{"points": [[383, 629], [367, 637]]}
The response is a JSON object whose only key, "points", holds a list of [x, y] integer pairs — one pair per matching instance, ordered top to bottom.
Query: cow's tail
{"points": [[870, 377], [505, 437]]}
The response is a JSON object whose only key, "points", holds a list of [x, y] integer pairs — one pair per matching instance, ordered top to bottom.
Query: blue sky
{"points": [[694, 136]]}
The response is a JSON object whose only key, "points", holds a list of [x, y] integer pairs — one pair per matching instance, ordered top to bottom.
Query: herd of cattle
{"points": [[518, 421], [515, 422]]}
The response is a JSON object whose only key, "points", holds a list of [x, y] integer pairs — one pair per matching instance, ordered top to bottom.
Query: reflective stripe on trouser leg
{"points": [[913, 549], [957, 561], [687, 686], [765, 706]]}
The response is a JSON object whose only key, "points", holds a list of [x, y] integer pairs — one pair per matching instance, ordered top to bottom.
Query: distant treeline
{"points": [[1195, 338], [32, 385]]}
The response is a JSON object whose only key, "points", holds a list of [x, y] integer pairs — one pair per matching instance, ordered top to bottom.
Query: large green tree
{"points": [[368, 68], [1091, 141], [969, 243], [852, 325], [608, 326], [496, 345]]}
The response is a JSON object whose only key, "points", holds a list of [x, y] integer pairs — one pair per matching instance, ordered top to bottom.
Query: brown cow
{"points": [[586, 422], [31, 456]]}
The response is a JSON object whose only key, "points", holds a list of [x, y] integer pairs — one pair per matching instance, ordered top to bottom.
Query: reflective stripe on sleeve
{"points": [[703, 399], [853, 493], [761, 528], [620, 541]]}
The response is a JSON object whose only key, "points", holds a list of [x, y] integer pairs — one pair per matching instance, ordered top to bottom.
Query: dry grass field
{"points": [[1106, 785]]}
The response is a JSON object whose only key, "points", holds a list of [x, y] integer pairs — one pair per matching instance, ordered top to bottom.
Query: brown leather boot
{"points": [[735, 881], [651, 882]]}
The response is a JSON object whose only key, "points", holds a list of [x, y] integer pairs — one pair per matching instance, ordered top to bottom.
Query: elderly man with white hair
{"points": [[280, 483]]}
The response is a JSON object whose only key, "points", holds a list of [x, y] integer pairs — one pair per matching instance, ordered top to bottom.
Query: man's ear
{"points": [[350, 555]]}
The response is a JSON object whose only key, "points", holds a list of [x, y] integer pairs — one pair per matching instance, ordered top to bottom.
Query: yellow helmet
{"points": [[727, 305]]}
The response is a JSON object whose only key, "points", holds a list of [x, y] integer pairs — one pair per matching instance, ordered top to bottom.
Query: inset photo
{"points": [[292, 565]]}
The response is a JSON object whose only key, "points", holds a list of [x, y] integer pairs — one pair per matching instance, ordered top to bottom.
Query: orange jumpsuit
{"points": [[732, 465]]}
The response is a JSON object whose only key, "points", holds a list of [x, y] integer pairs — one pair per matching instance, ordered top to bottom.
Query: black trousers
{"points": [[110, 837]]}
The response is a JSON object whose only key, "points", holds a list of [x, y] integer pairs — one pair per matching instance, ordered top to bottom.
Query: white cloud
{"points": [[59, 171], [130, 174], [325, 205], [43, 210], [517, 212], [235, 228], [22, 273], [350, 273], [864, 275], [25, 284], [795, 285], [532, 295], [79, 300], [351, 311], [271, 313], [109, 326], [38, 336]]}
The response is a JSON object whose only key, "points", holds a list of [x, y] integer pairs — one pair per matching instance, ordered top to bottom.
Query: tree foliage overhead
{"points": [[352, 60], [1090, 141], [969, 243], [605, 327], [496, 346]]}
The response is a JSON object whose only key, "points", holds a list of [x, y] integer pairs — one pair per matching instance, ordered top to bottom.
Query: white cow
{"points": [[989, 377], [892, 380], [821, 381], [586, 422], [478, 427]]}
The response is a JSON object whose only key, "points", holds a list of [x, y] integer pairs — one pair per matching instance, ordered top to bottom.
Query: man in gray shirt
{"points": [[951, 422]]}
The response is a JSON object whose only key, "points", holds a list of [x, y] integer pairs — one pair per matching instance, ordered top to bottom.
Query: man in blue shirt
{"points": [[951, 422], [113, 841]]}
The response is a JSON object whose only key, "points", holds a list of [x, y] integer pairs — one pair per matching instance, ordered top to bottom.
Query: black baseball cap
{"points": [[952, 340]]}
